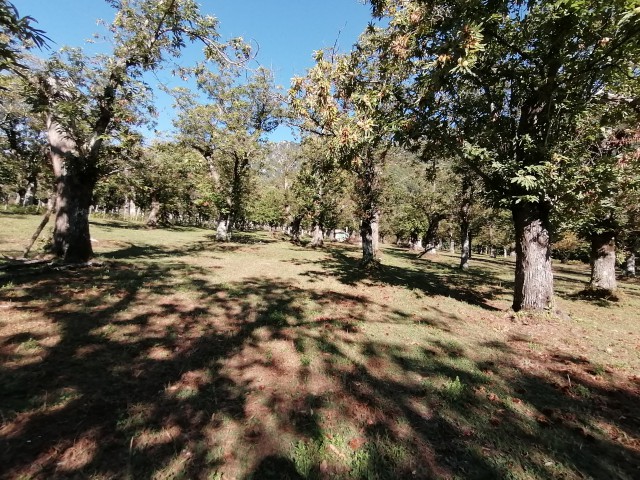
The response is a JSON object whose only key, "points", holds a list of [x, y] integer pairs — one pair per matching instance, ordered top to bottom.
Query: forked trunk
{"points": [[430, 240], [603, 261], [533, 276]]}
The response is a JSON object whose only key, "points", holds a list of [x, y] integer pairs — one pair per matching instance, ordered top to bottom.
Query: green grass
{"points": [[182, 357]]}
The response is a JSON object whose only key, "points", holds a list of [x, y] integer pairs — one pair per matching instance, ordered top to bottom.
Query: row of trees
{"points": [[504, 120]]}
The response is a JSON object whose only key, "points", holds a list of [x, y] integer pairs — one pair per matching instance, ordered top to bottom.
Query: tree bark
{"points": [[74, 180], [152, 219], [295, 229], [222, 230], [375, 233], [366, 234], [465, 234], [317, 239], [430, 240], [415, 243], [603, 261], [630, 265], [533, 276]]}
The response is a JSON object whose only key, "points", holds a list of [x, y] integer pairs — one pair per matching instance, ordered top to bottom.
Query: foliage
{"points": [[16, 33], [228, 131]]}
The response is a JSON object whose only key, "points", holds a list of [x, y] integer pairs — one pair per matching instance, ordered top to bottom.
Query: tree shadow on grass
{"points": [[431, 279], [152, 371]]}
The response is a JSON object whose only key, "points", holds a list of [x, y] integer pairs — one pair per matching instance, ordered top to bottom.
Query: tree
{"points": [[502, 82], [340, 100], [89, 101], [228, 131], [22, 144], [319, 191], [600, 198]]}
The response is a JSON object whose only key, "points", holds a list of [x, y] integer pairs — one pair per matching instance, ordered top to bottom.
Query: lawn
{"points": [[179, 357]]}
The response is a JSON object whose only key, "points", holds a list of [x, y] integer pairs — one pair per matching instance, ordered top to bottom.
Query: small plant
{"points": [[30, 344], [268, 355], [305, 360], [453, 389], [582, 391]]}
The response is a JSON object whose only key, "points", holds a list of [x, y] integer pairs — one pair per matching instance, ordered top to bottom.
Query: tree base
{"points": [[591, 293]]}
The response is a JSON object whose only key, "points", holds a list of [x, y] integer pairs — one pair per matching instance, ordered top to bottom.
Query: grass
{"points": [[181, 357]]}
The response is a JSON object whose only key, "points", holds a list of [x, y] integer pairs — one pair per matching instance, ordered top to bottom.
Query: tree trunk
{"points": [[74, 180], [152, 219], [465, 222], [295, 229], [222, 231], [375, 233], [366, 234], [71, 238], [317, 239], [430, 240], [414, 241], [465, 245], [603, 261], [630, 265], [533, 276]]}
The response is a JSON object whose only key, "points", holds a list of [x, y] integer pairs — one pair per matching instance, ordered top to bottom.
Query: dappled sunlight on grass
{"points": [[187, 358]]}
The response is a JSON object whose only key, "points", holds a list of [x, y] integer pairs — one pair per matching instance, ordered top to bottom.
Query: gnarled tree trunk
{"points": [[74, 180], [603, 261], [533, 276]]}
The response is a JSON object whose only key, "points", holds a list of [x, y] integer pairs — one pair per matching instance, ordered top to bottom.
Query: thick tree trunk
{"points": [[74, 180], [152, 219], [465, 222], [366, 234], [71, 238], [317, 239], [415, 243], [465, 245], [603, 261], [630, 265], [533, 276]]}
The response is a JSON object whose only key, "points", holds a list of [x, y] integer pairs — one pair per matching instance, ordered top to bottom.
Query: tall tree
{"points": [[506, 80], [88, 101], [229, 132]]}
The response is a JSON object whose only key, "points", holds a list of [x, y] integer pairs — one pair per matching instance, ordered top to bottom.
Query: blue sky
{"points": [[286, 31]]}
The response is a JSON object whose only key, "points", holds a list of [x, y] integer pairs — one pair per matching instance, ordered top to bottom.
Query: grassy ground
{"points": [[185, 358]]}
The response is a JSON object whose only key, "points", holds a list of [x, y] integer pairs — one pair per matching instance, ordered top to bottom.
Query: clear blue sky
{"points": [[287, 31]]}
